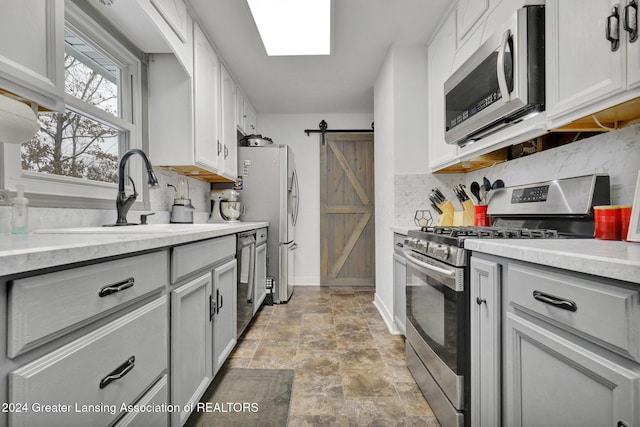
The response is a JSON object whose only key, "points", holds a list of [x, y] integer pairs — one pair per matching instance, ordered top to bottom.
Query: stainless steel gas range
{"points": [[437, 291]]}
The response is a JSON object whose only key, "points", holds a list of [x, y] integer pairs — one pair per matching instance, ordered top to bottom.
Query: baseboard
{"points": [[306, 281], [386, 316]]}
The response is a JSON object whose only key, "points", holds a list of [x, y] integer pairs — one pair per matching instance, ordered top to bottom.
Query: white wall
{"points": [[400, 112], [289, 129]]}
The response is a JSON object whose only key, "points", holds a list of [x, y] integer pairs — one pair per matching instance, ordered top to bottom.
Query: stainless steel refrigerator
{"points": [[270, 193]]}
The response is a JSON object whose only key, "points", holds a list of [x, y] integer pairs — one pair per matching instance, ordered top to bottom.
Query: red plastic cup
{"points": [[480, 216], [625, 219], [607, 222]]}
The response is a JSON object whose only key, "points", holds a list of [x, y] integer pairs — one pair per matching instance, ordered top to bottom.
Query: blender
{"points": [[226, 207], [182, 209]]}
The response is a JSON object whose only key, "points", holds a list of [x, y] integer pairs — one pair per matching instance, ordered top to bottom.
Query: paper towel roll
{"points": [[18, 122]]}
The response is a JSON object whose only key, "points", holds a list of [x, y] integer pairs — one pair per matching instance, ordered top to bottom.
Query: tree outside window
{"points": [[80, 142]]}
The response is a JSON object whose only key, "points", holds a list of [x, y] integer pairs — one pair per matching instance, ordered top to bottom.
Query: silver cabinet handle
{"points": [[631, 20], [613, 28], [219, 148], [226, 151], [116, 287], [480, 301], [555, 301], [119, 372]]}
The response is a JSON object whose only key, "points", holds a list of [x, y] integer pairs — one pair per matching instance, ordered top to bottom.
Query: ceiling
{"points": [[362, 33]]}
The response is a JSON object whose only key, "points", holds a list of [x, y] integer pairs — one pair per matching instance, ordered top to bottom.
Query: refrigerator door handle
{"points": [[294, 196]]}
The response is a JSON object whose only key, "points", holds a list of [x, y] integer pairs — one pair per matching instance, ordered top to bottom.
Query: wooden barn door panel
{"points": [[347, 210]]}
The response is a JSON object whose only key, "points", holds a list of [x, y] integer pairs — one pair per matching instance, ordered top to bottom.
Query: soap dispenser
{"points": [[19, 212]]}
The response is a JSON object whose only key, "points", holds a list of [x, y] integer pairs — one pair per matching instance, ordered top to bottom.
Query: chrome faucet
{"points": [[124, 202]]}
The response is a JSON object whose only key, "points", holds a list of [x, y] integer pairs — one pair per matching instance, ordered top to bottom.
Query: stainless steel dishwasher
{"points": [[246, 256]]}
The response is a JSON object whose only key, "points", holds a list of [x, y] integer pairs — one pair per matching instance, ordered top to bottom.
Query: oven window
{"points": [[433, 309]]}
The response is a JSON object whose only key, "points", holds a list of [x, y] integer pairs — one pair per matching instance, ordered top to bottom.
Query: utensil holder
{"points": [[480, 216]]}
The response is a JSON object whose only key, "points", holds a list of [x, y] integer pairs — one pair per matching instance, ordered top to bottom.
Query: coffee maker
{"points": [[225, 206], [182, 209]]}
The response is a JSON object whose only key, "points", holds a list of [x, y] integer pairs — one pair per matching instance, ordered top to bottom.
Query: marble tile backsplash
{"points": [[616, 153], [160, 202]]}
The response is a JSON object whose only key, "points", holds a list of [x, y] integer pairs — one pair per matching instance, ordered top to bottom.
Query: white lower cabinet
{"points": [[260, 281], [399, 285], [224, 319], [191, 343], [485, 343], [87, 381], [554, 381], [147, 412]]}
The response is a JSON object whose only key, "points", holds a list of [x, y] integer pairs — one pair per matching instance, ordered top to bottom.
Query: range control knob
{"points": [[422, 246], [442, 252]]}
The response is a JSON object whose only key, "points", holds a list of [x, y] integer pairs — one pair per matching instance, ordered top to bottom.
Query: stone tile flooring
{"points": [[350, 371]]}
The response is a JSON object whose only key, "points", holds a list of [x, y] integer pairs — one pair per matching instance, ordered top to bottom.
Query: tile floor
{"points": [[350, 371]]}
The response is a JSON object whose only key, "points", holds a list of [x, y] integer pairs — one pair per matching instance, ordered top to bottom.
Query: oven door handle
{"points": [[411, 258]]}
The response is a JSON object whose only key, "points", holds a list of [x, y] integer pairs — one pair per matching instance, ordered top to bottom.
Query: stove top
{"points": [[492, 232], [447, 243]]}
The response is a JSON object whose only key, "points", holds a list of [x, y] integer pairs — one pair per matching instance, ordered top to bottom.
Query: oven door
{"points": [[436, 321]]}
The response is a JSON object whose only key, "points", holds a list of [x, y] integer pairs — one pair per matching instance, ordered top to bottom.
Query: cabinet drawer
{"points": [[261, 236], [190, 258], [44, 307], [593, 309], [70, 378], [153, 416]]}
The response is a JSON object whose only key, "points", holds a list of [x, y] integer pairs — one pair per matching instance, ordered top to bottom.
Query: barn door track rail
{"points": [[323, 129]]}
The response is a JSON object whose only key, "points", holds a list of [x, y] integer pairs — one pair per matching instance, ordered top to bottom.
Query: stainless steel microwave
{"points": [[501, 84]]}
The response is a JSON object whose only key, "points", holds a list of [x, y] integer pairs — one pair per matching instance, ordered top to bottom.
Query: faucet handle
{"points": [[143, 218]]}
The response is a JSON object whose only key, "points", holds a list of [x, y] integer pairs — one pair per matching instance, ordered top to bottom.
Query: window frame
{"points": [[48, 190]]}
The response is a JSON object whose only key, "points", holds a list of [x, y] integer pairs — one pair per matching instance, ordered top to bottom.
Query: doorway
{"points": [[347, 229]]}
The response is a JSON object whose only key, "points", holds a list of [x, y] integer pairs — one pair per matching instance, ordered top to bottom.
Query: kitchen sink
{"points": [[135, 229]]}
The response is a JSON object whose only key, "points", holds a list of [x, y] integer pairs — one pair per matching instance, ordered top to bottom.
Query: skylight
{"points": [[293, 27]]}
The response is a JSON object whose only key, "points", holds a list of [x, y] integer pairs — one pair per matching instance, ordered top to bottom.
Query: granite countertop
{"points": [[33, 251], [612, 259]]}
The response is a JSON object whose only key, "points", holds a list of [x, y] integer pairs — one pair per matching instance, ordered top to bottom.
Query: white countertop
{"points": [[400, 229], [22, 253], [612, 259]]}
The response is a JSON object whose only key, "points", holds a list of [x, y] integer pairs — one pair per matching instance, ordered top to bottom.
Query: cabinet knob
{"points": [[480, 301]]}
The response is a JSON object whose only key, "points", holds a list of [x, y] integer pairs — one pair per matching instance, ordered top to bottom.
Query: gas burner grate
{"points": [[492, 232]]}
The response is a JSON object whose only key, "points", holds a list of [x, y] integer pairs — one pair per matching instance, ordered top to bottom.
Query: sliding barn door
{"points": [[347, 210]]}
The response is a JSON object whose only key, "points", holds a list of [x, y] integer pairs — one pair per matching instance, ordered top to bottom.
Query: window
{"points": [[76, 152]]}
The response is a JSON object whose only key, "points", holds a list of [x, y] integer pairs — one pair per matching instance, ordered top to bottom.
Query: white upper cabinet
{"points": [[175, 13], [154, 26], [633, 47], [32, 50], [440, 61], [586, 72], [206, 90], [184, 112], [246, 115], [228, 125]]}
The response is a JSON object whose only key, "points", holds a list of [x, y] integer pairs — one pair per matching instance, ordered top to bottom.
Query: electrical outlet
{"points": [[4, 197]]}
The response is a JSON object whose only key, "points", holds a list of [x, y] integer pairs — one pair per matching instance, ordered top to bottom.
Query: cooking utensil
{"points": [[486, 183], [498, 183], [475, 190]]}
